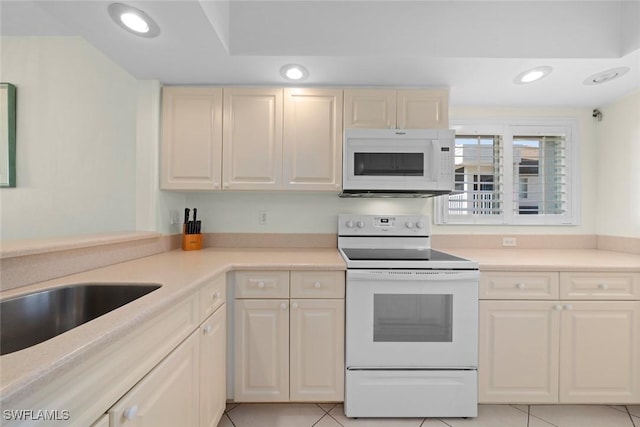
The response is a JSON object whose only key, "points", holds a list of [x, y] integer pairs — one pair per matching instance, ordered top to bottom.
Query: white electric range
{"points": [[411, 321]]}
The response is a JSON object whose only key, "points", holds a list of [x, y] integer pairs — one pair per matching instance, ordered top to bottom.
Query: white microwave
{"points": [[397, 163]]}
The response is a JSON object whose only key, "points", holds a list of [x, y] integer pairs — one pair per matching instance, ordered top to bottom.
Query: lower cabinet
{"points": [[289, 349], [559, 351], [213, 368], [188, 388], [167, 396]]}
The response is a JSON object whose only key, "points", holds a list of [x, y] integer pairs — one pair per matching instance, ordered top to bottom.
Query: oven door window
{"points": [[388, 164], [412, 318]]}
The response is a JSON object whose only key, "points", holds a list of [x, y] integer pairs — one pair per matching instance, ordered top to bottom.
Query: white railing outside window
{"points": [[535, 160]]}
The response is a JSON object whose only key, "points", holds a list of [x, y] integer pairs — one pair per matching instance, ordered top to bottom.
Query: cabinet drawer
{"points": [[262, 284], [317, 284], [519, 285], [602, 286], [212, 296]]}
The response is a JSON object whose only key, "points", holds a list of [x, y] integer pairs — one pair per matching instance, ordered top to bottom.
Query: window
{"points": [[513, 173]]}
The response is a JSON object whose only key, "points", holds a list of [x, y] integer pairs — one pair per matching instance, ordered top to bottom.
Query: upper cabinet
{"points": [[396, 109], [252, 139], [278, 139], [312, 143], [191, 148]]}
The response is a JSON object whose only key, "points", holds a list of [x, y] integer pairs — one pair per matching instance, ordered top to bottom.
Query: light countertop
{"points": [[549, 259], [180, 274]]}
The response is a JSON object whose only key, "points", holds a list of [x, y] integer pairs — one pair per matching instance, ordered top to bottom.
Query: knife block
{"points": [[191, 242]]}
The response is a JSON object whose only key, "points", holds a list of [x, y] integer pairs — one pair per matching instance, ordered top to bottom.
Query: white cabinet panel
{"points": [[370, 108], [191, 138], [252, 138], [312, 142], [213, 350], [261, 350], [317, 350], [599, 352], [518, 360], [167, 396]]}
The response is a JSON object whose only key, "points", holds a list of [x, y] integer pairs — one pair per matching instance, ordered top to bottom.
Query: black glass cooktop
{"points": [[398, 255]]}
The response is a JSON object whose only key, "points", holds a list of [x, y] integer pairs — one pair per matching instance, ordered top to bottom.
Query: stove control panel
{"points": [[383, 225]]}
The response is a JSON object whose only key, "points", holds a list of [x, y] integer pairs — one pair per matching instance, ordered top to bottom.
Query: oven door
{"points": [[412, 319]]}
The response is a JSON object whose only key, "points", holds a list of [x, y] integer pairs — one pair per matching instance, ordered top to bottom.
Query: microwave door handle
{"points": [[435, 161]]}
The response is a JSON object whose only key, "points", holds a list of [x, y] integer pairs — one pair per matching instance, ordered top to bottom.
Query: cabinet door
{"points": [[370, 108], [420, 109], [191, 138], [252, 139], [312, 139], [600, 344], [317, 350], [261, 351], [518, 357], [213, 382], [167, 396]]}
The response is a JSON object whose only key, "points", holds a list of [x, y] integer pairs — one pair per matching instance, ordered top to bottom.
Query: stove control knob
{"points": [[350, 224], [360, 224], [409, 224], [419, 225]]}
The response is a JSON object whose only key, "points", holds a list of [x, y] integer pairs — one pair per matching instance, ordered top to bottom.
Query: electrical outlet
{"points": [[174, 217], [262, 217], [509, 241]]}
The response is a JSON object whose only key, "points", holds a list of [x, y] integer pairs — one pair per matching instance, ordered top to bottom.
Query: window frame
{"points": [[507, 129]]}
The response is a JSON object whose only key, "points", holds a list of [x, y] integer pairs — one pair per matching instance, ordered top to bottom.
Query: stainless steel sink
{"points": [[33, 318]]}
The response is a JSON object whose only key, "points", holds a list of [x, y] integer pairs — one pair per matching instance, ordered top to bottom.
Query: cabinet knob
{"points": [[261, 285], [317, 285], [520, 286], [603, 286], [216, 295], [294, 305], [283, 306], [557, 307], [568, 307], [207, 330], [131, 412]]}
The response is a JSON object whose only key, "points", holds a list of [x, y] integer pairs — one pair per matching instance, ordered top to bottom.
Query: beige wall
{"points": [[76, 125], [618, 168]]}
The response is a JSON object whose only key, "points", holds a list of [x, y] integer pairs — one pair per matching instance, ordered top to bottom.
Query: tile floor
{"points": [[332, 415]]}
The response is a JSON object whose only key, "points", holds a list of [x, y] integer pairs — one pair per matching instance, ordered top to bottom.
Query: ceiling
{"points": [[474, 47]]}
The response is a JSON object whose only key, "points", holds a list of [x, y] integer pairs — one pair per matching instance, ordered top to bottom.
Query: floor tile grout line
{"points": [[528, 415], [320, 419], [334, 419], [541, 419], [230, 420], [633, 423]]}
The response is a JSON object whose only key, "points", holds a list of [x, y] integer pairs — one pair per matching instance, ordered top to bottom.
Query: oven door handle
{"points": [[412, 275]]}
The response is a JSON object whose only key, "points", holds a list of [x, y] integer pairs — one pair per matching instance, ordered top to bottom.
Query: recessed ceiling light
{"points": [[133, 20], [294, 72], [532, 75], [606, 76]]}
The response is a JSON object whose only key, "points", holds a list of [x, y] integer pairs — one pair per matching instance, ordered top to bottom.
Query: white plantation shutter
{"points": [[513, 173], [478, 176]]}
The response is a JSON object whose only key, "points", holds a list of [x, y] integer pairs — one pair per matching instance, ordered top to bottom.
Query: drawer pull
{"points": [[261, 285], [317, 285], [520, 286], [603, 286], [216, 295], [294, 305], [283, 306], [557, 307], [568, 307], [207, 330], [131, 412]]}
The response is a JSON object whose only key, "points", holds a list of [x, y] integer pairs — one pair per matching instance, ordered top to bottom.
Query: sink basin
{"points": [[30, 319]]}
